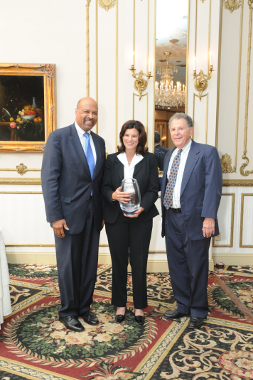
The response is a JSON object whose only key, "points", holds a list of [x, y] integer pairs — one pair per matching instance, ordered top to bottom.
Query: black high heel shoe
{"points": [[119, 318], [140, 319]]}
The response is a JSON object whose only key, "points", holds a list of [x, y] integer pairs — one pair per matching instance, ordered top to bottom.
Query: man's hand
{"points": [[136, 214], [58, 226], [208, 227]]}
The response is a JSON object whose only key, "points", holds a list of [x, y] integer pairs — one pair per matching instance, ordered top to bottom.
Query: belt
{"points": [[176, 209]]}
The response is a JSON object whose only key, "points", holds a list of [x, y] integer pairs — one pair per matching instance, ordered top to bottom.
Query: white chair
{"points": [[5, 302]]}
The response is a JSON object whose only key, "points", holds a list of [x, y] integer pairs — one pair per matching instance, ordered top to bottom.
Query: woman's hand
{"points": [[120, 196], [136, 214]]}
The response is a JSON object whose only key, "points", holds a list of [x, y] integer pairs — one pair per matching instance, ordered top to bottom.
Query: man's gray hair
{"points": [[181, 115]]}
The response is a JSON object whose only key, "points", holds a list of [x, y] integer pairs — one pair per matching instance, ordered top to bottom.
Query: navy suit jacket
{"points": [[66, 180], [200, 190]]}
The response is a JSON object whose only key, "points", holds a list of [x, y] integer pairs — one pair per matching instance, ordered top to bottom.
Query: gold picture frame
{"points": [[20, 86]]}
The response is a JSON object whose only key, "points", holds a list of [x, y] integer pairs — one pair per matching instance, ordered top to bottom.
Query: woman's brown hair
{"points": [[142, 136]]}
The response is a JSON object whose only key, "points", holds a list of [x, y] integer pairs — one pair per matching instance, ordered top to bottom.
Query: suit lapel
{"points": [[78, 148], [98, 153], [192, 159], [119, 167], [138, 167]]}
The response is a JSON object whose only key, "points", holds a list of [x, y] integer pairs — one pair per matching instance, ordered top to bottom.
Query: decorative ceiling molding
{"points": [[107, 4], [232, 5]]}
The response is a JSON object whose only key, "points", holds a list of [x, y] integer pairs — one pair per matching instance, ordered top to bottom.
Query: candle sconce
{"points": [[201, 80], [140, 84]]}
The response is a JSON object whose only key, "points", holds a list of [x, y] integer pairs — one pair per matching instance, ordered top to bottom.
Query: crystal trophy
{"points": [[130, 185]]}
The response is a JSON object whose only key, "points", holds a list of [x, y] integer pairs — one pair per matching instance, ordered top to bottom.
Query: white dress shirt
{"points": [[82, 138], [129, 169], [180, 173]]}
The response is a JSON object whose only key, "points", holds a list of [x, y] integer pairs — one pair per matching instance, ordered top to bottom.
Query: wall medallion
{"points": [[107, 4], [232, 5], [226, 162], [21, 169]]}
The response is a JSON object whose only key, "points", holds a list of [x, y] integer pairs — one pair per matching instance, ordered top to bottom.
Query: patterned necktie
{"points": [[89, 154], [168, 196]]}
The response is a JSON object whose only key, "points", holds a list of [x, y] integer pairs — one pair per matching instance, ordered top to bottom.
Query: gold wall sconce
{"points": [[201, 80], [140, 84]]}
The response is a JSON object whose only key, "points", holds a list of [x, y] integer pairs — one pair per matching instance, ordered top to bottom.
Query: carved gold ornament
{"points": [[250, 3], [107, 4], [232, 5], [201, 81], [140, 84], [226, 162], [21, 169], [246, 172]]}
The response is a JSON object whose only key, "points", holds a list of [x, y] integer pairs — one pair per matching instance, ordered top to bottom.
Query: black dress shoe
{"points": [[173, 314], [90, 318], [119, 318], [140, 319], [195, 322], [72, 323]]}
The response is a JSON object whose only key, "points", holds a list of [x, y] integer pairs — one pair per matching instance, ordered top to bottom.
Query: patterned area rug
{"points": [[35, 345]]}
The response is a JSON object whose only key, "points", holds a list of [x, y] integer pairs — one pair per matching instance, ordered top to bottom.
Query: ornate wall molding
{"points": [[107, 4], [232, 5], [87, 49], [244, 156], [226, 162], [20, 169], [20, 181], [237, 182], [231, 222], [241, 245]]}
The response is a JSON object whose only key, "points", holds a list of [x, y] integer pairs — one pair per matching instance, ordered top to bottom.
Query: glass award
{"points": [[130, 185]]}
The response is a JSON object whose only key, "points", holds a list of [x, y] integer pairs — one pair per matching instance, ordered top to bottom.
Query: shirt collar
{"points": [[80, 130], [186, 147], [123, 159]]}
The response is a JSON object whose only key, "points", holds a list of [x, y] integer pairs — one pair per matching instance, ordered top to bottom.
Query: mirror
{"points": [[171, 46]]}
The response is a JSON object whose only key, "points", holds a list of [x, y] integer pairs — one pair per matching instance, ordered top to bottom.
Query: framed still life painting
{"points": [[27, 106]]}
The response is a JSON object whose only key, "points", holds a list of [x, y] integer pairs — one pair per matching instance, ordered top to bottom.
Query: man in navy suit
{"points": [[71, 177], [190, 194]]}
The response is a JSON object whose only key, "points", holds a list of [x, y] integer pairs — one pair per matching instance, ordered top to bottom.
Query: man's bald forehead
{"points": [[84, 100]]}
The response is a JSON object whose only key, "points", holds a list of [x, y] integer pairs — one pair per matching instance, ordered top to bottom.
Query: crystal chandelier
{"points": [[166, 94]]}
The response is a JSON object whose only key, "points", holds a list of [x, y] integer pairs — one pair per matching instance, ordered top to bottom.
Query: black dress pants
{"points": [[135, 234], [77, 256]]}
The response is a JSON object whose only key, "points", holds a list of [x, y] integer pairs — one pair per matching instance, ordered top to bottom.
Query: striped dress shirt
{"points": [[177, 188]]}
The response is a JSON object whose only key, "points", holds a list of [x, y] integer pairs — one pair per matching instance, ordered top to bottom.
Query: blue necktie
{"points": [[89, 154], [168, 196]]}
